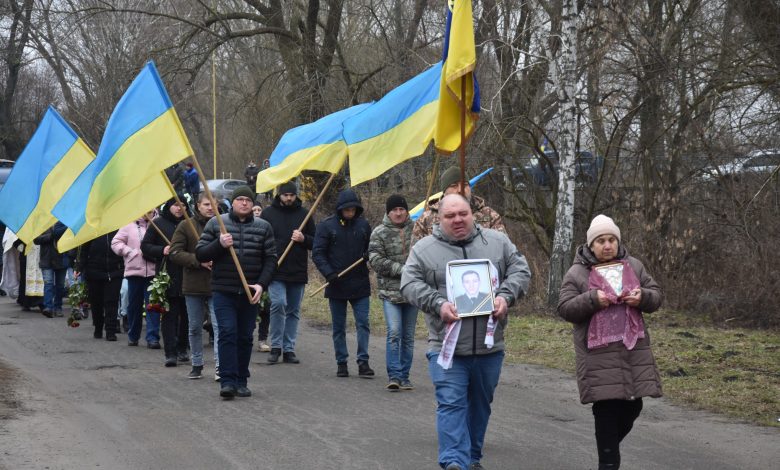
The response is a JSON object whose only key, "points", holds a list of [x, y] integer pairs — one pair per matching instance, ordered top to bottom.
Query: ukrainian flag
{"points": [[459, 59], [394, 129], [142, 138], [316, 146], [51, 161], [417, 211]]}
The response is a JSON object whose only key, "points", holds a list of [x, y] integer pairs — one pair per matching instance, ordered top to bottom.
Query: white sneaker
{"points": [[263, 347], [216, 375]]}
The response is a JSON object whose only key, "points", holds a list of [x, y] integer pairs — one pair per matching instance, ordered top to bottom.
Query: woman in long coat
{"points": [[604, 295]]}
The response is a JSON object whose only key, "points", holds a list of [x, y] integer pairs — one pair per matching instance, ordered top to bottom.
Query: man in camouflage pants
{"points": [[450, 184]]}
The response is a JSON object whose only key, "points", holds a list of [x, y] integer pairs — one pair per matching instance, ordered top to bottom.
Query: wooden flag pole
{"points": [[463, 136], [434, 171], [186, 215], [308, 216], [157, 229], [222, 229], [350, 268]]}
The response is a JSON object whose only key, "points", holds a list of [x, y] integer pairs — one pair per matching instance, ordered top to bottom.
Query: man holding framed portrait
{"points": [[466, 341]]}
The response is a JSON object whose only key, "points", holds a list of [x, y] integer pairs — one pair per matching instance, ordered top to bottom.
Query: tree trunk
{"points": [[565, 80]]}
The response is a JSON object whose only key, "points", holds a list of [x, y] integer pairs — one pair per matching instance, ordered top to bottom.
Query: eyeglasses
{"points": [[243, 199]]}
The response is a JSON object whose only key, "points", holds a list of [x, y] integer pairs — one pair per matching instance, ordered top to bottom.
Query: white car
{"points": [[755, 163]]}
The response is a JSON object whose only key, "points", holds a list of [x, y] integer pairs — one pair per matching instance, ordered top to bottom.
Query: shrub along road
{"points": [[68, 401]]}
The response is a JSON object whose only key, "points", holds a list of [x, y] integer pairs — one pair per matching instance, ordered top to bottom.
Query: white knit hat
{"points": [[602, 225]]}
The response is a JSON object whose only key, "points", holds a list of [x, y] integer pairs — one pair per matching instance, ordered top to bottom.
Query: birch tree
{"points": [[563, 72]]}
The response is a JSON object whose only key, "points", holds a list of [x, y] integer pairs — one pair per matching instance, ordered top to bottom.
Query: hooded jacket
{"points": [[284, 219], [253, 241], [338, 243], [127, 244], [153, 244], [388, 249], [51, 258], [97, 262], [196, 280], [424, 283], [611, 372]]}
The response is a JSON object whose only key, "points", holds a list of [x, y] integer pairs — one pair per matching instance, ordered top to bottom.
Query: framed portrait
{"points": [[613, 274], [470, 287]]}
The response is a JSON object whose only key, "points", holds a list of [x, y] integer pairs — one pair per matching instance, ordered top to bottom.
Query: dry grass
{"points": [[735, 372]]}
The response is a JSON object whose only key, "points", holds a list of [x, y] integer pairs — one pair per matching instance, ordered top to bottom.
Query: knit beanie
{"points": [[449, 177], [288, 187], [245, 191], [396, 200], [602, 225]]}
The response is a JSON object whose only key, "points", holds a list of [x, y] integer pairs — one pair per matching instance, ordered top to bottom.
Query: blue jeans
{"points": [[53, 289], [123, 298], [137, 299], [197, 305], [285, 313], [338, 314], [236, 319], [401, 322], [463, 395]]}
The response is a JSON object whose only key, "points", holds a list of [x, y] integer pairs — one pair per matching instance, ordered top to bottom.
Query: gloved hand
{"points": [[332, 278]]}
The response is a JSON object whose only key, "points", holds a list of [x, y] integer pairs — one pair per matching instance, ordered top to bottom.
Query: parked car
{"points": [[756, 162], [5, 169], [543, 171], [223, 188]]}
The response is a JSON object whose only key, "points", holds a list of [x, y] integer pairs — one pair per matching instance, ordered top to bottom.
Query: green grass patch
{"points": [[735, 372]]}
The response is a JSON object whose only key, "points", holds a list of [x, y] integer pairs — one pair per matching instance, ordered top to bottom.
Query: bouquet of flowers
{"points": [[158, 298], [78, 301]]}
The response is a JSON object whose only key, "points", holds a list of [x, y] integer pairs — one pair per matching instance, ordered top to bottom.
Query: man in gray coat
{"points": [[464, 391]]}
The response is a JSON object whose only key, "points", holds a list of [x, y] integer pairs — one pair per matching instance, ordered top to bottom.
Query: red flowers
{"points": [[156, 308]]}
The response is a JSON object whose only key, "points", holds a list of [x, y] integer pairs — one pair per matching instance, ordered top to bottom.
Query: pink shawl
{"points": [[618, 321]]}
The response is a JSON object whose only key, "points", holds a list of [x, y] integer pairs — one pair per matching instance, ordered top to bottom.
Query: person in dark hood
{"points": [[286, 215], [340, 241], [174, 324]]}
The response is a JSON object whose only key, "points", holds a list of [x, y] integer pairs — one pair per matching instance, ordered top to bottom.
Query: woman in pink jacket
{"points": [[139, 273]]}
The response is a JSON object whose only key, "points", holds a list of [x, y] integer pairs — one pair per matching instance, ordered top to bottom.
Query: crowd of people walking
{"points": [[184, 269]]}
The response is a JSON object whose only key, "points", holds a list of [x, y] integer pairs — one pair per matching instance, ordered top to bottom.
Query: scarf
{"points": [[618, 321]]}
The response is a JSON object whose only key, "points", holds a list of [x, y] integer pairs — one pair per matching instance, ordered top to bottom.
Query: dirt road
{"points": [[68, 401]]}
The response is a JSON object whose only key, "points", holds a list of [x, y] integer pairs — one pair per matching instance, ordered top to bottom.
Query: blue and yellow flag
{"points": [[460, 59], [397, 127], [143, 137], [316, 146], [51, 161], [417, 211]]}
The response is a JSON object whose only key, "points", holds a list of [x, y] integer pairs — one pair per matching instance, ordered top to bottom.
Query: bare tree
{"points": [[14, 44]]}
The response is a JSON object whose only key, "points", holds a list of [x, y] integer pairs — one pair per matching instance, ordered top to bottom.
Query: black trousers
{"points": [[104, 303], [265, 321], [175, 328], [614, 420]]}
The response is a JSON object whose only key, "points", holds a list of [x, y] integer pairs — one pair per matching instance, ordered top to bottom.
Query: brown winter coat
{"points": [[197, 279], [611, 372]]}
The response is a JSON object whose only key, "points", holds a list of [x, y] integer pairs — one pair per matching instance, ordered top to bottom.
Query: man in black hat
{"points": [[450, 184], [286, 214], [253, 240]]}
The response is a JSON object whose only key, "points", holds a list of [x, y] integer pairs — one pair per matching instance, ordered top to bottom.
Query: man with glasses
{"points": [[253, 241]]}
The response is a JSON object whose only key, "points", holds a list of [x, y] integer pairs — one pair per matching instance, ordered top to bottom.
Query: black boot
{"points": [[273, 356], [290, 358], [364, 370], [343, 371]]}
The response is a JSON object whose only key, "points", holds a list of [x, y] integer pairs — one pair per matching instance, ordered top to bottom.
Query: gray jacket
{"points": [[423, 283]]}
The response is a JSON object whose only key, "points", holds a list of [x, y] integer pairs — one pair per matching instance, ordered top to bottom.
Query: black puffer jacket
{"points": [[284, 220], [253, 240], [153, 244], [337, 244], [50, 257], [98, 262]]}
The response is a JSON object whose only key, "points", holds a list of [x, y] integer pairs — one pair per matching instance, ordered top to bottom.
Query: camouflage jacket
{"points": [[483, 215], [388, 249]]}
